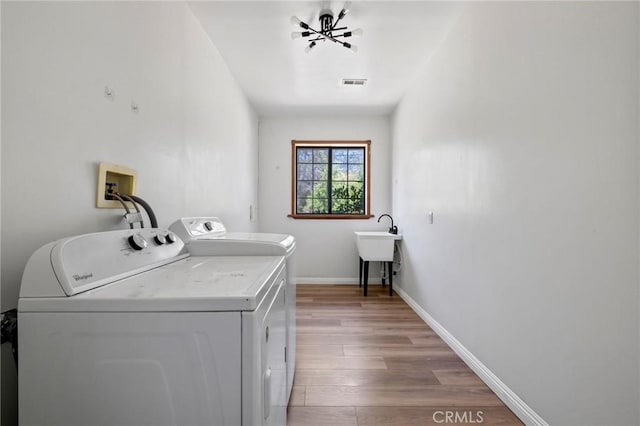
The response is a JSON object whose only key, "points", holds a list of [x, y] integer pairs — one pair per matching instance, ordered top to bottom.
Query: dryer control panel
{"points": [[192, 228], [77, 264]]}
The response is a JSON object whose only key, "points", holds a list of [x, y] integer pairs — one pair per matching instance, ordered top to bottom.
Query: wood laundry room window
{"points": [[330, 179]]}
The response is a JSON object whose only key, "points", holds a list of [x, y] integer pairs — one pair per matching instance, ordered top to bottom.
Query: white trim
{"points": [[325, 280], [337, 281], [510, 398]]}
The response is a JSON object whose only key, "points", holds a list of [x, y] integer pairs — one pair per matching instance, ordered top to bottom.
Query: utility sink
{"points": [[376, 245]]}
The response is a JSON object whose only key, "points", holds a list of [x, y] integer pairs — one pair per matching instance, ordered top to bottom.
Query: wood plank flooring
{"points": [[371, 361]]}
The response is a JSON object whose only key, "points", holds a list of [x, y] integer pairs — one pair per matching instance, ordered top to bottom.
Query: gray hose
{"points": [[119, 198], [147, 208]]}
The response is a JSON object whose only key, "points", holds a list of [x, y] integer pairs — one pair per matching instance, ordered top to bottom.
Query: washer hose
{"points": [[124, 205], [135, 205], [147, 208]]}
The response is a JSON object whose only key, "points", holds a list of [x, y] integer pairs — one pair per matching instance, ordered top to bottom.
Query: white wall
{"points": [[522, 137], [193, 142], [0, 202], [326, 250]]}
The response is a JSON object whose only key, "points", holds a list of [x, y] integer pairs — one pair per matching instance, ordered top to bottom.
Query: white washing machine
{"points": [[207, 236], [126, 328]]}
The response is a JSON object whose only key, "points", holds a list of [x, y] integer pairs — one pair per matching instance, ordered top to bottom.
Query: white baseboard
{"points": [[324, 280], [337, 281], [510, 398]]}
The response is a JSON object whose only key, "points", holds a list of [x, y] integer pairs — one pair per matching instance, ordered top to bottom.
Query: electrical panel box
{"points": [[115, 178]]}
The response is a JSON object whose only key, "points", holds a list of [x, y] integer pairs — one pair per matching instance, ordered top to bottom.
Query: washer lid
{"points": [[236, 244], [217, 283]]}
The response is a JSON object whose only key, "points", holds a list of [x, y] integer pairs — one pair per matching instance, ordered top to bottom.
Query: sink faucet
{"points": [[393, 229]]}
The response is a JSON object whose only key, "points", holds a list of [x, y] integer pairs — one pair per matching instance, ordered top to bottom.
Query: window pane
{"points": [[305, 155], [320, 155], [339, 156], [356, 156], [305, 171], [320, 171], [339, 172], [356, 172], [303, 189], [320, 189], [339, 190], [356, 191], [304, 205], [320, 206], [342, 206], [347, 206]]}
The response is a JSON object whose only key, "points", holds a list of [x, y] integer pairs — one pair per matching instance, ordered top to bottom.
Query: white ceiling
{"points": [[254, 38]]}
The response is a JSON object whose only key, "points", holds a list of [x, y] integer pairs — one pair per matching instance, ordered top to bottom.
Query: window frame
{"points": [[366, 144]]}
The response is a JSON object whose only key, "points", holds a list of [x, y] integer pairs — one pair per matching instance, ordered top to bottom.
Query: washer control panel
{"points": [[137, 241], [88, 261]]}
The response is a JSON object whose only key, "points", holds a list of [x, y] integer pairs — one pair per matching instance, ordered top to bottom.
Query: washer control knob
{"points": [[208, 225], [170, 237], [160, 239], [137, 242]]}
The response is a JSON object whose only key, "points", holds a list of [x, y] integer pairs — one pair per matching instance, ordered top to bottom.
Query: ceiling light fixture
{"points": [[329, 30]]}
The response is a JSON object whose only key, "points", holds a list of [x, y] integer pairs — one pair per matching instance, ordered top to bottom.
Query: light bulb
{"points": [[345, 8], [296, 21], [357, 32], [295, 35], [309, 47], [353, 48]]}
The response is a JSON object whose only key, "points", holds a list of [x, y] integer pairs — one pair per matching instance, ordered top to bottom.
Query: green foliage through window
{"points": [[330, 179]]}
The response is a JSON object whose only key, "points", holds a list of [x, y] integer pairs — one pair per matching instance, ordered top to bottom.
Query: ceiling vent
{"points": [[354, 81]]}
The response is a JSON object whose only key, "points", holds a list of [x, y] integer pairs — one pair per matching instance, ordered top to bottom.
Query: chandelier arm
{"points": [[340, 16], [326, 36]]}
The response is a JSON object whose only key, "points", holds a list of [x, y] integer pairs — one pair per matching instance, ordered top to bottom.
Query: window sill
{"points": [[312, 216]]}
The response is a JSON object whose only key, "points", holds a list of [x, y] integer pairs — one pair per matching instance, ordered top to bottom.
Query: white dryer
{"points": [[207, 236], [126, 328]]}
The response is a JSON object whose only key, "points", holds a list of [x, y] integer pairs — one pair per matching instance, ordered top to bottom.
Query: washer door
{"points": [[176, 368]]}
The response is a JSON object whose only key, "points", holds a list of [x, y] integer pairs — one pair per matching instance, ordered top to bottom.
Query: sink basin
{"points": [[376, 245]]}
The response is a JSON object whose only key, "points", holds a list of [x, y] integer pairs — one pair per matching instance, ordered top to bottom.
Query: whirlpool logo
{"points": [[82, 277], [458, 417]]}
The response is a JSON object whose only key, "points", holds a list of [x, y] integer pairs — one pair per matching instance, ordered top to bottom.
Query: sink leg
{"points": [[390, 269], [360, 272], [384, 273], [366, 276]]}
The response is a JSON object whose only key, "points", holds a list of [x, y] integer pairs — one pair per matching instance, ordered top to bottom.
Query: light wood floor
{"points": [[372, 362]]}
